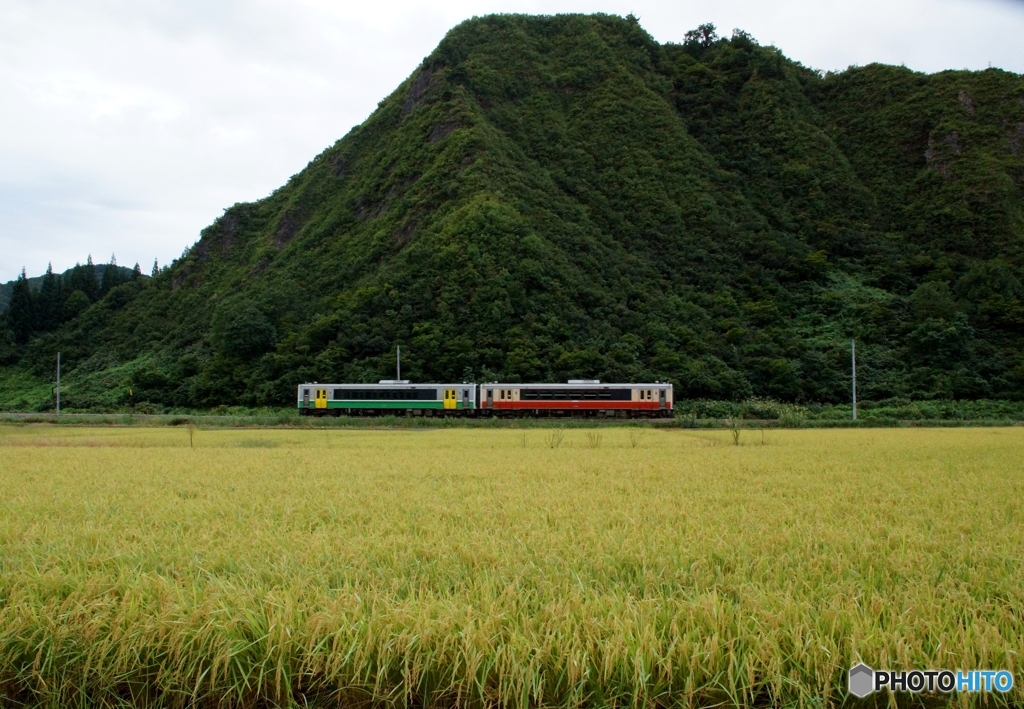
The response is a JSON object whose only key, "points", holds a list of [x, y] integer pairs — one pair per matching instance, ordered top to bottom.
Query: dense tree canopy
{"points": [[555, 197]]}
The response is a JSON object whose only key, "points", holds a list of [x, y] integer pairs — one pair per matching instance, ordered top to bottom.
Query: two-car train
{"points": [[578, 397]]}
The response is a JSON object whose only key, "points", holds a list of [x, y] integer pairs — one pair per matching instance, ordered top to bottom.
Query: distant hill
{"points": [[562, 196], [36, 281]]}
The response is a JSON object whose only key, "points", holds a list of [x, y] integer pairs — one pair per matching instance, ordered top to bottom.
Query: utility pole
{"points": [[853, 359], [399, 377], [58, 383]]}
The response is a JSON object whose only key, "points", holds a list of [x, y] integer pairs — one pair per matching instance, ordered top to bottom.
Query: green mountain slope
{"points": [[552, 197]]}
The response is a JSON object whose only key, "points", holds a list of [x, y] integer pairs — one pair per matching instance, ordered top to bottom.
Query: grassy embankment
{"points": [[553, 568]]}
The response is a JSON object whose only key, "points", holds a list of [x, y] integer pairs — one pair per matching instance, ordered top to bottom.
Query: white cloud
{"points": [[127, 127]]}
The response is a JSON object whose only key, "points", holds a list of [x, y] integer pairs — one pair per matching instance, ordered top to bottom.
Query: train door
{"points": [[305, 397], [449, 398], [465, 398], [490, 398], [661, 398], [321, 399]]}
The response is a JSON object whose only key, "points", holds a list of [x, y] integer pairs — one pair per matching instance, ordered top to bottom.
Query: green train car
{"points": [[388, 396]]}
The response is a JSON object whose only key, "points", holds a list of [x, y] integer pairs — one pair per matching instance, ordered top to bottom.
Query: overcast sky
{"points": [[127, 126]]}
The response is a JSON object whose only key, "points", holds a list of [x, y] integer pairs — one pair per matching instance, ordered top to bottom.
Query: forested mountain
{"points": [[555, 197], [75, 278]]}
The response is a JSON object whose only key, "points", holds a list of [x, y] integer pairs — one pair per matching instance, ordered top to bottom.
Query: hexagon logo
{"points": [[862, 680]]}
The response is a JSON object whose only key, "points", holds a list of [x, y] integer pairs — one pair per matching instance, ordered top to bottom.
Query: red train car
{"points": [[577, 397]]}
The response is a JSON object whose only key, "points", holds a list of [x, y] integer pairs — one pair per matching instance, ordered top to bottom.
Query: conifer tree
{"points": [[111, 276], [77, 280], [90, 284], [50, 301], [21, 312]]}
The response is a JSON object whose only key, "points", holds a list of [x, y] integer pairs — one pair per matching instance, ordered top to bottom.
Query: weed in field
{"points": [[636, 435], [554, 438], [594, 439]]}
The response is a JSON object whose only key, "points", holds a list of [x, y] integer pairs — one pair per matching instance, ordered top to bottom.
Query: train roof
{"points": [[387, 384], [391, 384], [576, 385]]}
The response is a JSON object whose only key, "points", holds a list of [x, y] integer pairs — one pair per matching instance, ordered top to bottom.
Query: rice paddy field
{"points": [[519, 568]]}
